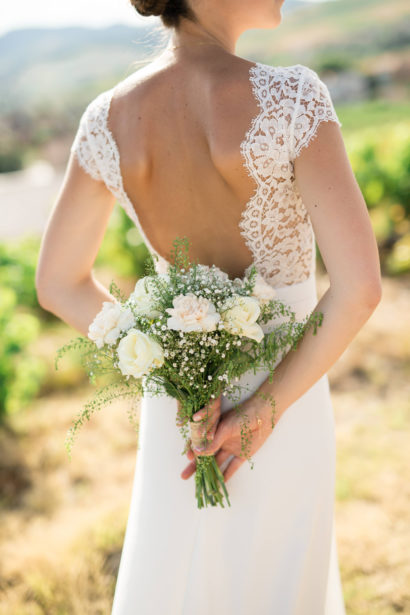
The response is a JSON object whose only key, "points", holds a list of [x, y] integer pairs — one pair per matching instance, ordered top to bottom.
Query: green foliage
{"points": [[332, 61], [361, 118], [11, 159], [381, 163], [122, 248], [398, 260], [18, 261], [99, 362], [195, 364], [21, 374], [105, 395]]}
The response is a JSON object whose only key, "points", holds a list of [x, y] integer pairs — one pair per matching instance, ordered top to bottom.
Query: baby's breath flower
{"points": [[192, 353]]}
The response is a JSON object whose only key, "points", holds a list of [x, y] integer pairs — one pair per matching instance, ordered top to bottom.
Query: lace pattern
{"points": [[314, 105], [82, 145], [98, 154], [275, 223]]}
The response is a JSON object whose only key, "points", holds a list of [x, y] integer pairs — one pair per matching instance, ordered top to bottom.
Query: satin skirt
{"points": [[273, 552]]}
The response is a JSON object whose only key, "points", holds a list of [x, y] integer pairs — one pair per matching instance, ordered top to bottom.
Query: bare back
{"points": [[178, 131], [207, 150]]}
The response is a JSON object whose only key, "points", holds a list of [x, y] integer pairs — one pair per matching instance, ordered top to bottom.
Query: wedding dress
{"points": [[273, 552]]}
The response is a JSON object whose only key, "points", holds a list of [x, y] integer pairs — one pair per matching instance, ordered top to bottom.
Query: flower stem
{"points": [[208, 480]]}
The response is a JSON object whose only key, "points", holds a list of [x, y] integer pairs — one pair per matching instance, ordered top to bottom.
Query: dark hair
{"points": [[170, 11]]}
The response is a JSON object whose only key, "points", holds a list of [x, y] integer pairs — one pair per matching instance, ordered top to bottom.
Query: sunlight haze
{"points": [[51, 14]]}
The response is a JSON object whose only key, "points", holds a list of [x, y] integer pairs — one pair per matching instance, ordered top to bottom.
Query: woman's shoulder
{"points": [[236, 72], [294, 73], [230, 78], [276, 82], [100, 102]]}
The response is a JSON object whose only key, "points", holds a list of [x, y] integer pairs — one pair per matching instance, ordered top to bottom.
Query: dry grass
{"points": [[371, 395], [63, 523], [62, 528]]}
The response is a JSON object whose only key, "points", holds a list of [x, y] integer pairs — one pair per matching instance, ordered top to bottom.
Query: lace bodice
{"points": [[292, 102]]}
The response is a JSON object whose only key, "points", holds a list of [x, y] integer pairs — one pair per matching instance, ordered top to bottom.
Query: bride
{"points": [[248, 161]]}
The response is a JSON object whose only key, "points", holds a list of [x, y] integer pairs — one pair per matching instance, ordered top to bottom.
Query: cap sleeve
{"points": [[313, 106], [82, 146]]}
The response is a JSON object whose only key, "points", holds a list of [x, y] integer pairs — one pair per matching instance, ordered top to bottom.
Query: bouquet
{"points": [[189, 333]]}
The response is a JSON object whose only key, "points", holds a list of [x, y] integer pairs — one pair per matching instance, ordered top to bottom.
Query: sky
{"points": [[55, 13]]}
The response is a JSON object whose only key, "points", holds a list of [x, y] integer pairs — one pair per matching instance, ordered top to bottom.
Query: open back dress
{"points": [[273, 552]]}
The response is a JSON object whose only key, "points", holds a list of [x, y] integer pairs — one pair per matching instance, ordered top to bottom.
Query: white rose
{"points": [[263, 291], [142, 299], [192, 313], [240, 315], [109, 322], [138, 353]]}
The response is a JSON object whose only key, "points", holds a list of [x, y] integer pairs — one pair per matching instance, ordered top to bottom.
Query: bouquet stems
{"points": [[208, 482], [210, 486]]}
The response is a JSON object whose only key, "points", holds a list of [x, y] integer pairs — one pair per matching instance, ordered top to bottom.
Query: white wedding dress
{"points": [[273, 552]]}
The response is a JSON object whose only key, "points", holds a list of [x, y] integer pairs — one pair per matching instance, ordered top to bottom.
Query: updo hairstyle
{"points": [[170, 11]]}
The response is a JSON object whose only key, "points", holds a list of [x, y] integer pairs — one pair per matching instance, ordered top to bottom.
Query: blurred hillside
{"points": [[350, 33], [60, 66], [54, 67], [48, 76], [63, 524]]}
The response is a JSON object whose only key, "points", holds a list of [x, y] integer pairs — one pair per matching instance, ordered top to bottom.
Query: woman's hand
{"points": [[206, 421], [227, 439]]}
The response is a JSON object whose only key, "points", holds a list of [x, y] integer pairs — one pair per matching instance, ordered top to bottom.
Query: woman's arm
{"points": [[347, 244], [348, 247], [65, 282]]}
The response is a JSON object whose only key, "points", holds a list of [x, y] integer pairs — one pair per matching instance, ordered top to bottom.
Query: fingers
{"points": [[212, 408], [206, 413], [207, 418], [180, 422], [199, 435], [214, 444], [190, 454], [221, 456], [191, 467], [188, 470]]}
